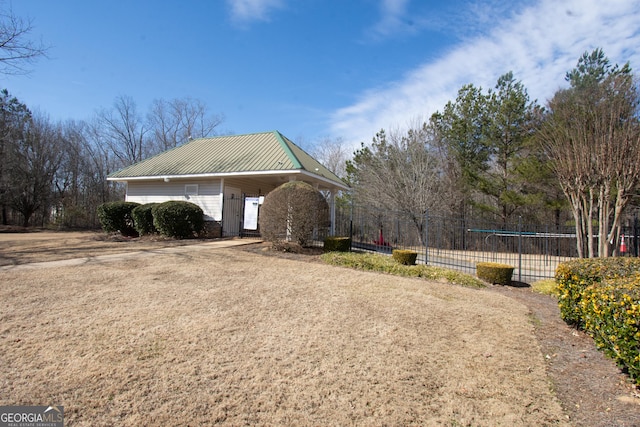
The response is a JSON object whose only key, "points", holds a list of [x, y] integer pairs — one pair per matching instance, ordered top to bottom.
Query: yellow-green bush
{"points": [[337, 244], [404, 257], [492, 272], [573, 277], [602, 296], [611, 313]]}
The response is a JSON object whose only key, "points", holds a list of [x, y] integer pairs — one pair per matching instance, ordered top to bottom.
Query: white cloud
{"points": [[244, 11], [392, 17], [540, 43]]}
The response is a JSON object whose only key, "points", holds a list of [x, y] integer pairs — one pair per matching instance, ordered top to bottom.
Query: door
{"points": [[231, 211]]}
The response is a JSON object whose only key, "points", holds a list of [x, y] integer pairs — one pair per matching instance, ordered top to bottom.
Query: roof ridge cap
{"points": [[281, 139]]}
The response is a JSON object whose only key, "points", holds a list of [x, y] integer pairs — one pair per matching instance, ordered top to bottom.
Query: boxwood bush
{"points": [[116, 217], [143, 219], [178, 219], [337, 244], [404, 257], [492, 272]]}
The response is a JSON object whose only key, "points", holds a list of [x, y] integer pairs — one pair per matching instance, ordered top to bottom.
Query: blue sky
{"points": [[310, 68]]}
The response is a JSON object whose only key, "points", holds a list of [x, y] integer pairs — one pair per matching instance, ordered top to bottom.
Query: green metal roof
{"points": [[230, 155]]}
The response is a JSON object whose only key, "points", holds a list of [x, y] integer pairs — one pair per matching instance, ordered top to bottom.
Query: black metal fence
{"points": [[240, 216], [459, 243], [533, 250]]}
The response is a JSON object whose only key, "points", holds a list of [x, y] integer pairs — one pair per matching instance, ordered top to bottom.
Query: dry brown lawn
{"points": [[23, 248], [232, 337]]}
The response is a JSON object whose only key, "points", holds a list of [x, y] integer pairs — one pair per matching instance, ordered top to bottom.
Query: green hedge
{"points": [[116, 217], [143, 219], [178, 219], [337, 244], [404, 257], [384, 264], [498, 274], [573, 277], [602, 296], [611, 313]]}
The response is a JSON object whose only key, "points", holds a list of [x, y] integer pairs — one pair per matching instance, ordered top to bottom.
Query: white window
{"points": [[191, 190]]}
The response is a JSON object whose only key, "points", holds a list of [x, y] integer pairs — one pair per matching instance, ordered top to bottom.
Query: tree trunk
{"points": [[577, 217], [589, 220]]}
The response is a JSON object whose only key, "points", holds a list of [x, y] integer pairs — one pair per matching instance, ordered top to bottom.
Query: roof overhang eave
{"points": [[328, 182]]}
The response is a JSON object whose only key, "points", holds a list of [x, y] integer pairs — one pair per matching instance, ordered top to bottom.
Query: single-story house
{"points": [[227, 176]]}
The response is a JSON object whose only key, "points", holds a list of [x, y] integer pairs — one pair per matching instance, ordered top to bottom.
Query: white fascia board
{"points": [[204, 175], [325, 180]]}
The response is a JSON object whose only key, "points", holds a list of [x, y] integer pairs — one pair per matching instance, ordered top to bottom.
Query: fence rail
{"points": [[459, 243]]}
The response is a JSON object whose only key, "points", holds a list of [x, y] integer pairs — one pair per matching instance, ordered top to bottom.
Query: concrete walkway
{"points": [[130, 255]]}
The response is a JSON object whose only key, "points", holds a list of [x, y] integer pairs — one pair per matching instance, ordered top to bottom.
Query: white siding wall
{"points": [[208, 198]]}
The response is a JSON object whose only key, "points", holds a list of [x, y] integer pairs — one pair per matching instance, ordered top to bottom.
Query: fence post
{"points": [[243, 196], [351, 226], [635, 235], [426, 237], [520, 249]]}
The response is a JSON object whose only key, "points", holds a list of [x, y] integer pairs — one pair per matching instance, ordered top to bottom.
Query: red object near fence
{"points": [[380, 241], [623, 245]]}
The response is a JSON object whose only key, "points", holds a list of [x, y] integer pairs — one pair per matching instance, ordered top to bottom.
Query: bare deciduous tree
{"points": [[16, 49], [14, 118], [176, 121], [122, 129], [592, 137], [333, 154], [36, 160], [399, 172], [80, 184]]}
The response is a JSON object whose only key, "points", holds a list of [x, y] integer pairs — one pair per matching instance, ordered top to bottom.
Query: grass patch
{"points": [[385, 264], [545, 286]]}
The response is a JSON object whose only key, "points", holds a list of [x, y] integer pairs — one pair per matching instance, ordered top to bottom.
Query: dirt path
{"points": [[592, 390]]}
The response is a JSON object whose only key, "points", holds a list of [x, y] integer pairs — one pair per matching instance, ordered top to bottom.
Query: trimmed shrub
{"points": [[295, 211], [116, 217], [143, 219], [178, 219], [337, 244], [404, 257], [385, 264], [492, 272], [573, 277], [602, 296], [611, 315]]}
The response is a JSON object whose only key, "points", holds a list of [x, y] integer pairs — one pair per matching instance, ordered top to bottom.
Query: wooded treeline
{"points": [[492, 155], [498, 156], [56, 172]]}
